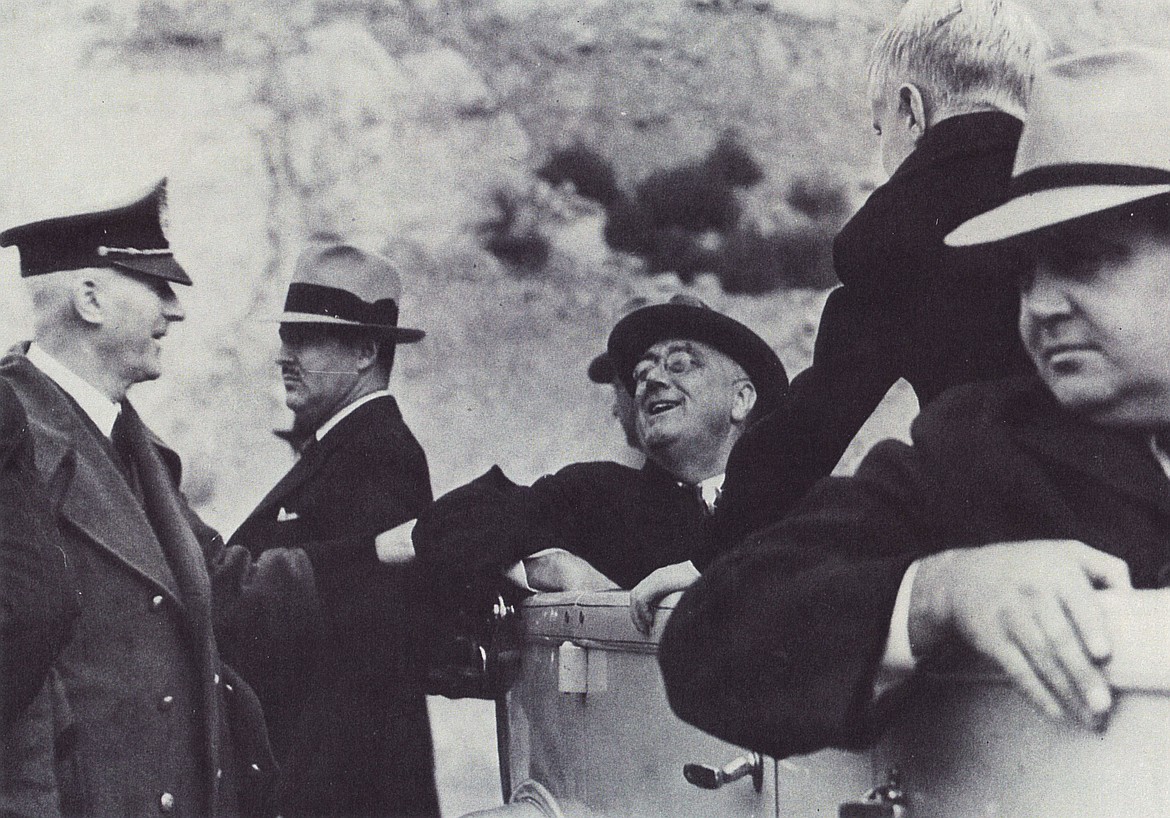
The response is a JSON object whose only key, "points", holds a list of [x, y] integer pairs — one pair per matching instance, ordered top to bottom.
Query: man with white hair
{"points": [[948, 86], [1019, 501], [150, 720]]}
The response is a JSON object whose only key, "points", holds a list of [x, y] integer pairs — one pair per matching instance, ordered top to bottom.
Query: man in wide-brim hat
{"points": [[694, 376], [1019, 500], [346, 714]]}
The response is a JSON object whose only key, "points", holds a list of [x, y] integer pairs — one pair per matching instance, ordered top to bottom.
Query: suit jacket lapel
{"points": [[314, 457], [310, 462], [96, 498]]}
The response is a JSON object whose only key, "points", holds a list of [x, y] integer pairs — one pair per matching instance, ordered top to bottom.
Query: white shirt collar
{"points": [[100, 409], [346, 410], [1161, 456], [712, 488]]}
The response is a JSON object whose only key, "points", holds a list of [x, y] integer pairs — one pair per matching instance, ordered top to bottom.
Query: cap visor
{"points": [[1045, 208], [164, 267], [402, 335]]}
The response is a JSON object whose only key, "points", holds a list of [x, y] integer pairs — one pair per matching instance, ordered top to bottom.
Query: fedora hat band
{"points": [[1051, 177], [331, 302]]}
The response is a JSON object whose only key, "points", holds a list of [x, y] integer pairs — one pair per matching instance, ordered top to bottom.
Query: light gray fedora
{"points": [[1097, 136], [342, 285]]}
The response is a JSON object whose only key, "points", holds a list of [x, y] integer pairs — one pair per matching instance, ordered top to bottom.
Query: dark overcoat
{"points": [[908, 307], [624, 522], [37, 599], [38, 603], [776, 646], [347, 712], [150, 720]]}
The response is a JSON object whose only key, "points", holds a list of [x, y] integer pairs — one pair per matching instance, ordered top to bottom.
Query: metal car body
{"points": [[585, 731]]}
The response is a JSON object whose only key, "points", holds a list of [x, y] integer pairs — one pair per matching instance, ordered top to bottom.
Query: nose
{"points": [[1043, 294], [173, 308], [285, 357], [653, 375]]}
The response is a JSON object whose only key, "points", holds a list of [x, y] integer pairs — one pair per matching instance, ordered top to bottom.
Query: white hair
{"points": [[962, 53], [52, 297]]}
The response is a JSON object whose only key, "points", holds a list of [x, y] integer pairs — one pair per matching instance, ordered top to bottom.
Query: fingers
{"points": [[643, 600], [1033, 609], [641, 612], [1052, 646]]}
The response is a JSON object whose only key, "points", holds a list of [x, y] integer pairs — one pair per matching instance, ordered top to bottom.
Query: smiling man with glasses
{"points": [[697, 377]]}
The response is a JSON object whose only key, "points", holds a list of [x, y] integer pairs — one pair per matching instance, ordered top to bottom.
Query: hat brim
{"points": [[1045, 208], [164, 267], [643, 328], [402, 335], [601, 369]]}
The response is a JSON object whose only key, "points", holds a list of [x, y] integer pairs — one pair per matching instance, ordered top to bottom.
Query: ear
{"points": [[912, 110], [88, 298], [367, 353], [745, 399]]}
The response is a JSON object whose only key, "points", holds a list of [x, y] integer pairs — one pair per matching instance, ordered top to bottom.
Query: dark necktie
{"points": [[123, 452]]}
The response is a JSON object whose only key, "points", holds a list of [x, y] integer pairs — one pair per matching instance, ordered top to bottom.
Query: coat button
{"points": [[156, 602], [215, 679], [165, 703], [218, 775], [166, 802]]}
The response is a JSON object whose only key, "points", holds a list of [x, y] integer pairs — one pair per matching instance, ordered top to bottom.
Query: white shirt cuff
{"points": [[517, 574], [898, 661]]}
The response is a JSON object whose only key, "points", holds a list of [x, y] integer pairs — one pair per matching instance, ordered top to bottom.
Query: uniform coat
{"points": [[908, 307], [624, 522], [37, 598], [37, 606], [776, 646], [347, 711], [151, 719]]}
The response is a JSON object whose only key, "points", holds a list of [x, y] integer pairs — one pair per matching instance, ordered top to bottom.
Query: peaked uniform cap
{"points": [[1097, 136], [127, 238], [342, 285], [689, 318]]}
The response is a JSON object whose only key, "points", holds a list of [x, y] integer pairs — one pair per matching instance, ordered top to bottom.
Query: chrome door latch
{"points": [[712, 778]]}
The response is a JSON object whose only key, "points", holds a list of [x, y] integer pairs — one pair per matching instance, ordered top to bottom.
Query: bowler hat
{"points": [[1097, 137], [128, 238], [342, 285], [689, 318]]}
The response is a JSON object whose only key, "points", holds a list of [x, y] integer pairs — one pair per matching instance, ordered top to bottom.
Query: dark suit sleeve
{"points": [[863, 342], [478, 530], [38, 599], [776, 646]]}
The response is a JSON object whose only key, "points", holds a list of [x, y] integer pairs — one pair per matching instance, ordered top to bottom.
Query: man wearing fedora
{"points": [[696, 378], [1018, 502], [346, 711], [148, 719]]}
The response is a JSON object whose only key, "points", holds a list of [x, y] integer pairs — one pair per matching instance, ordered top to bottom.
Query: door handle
{"points": [[712, 778]]}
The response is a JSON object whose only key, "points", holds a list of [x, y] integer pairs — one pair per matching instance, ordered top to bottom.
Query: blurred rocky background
{"points": [[532, 164]]}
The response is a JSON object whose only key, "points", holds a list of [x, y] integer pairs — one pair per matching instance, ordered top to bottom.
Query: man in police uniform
{"points": [[346, 710], [154, 721]]}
